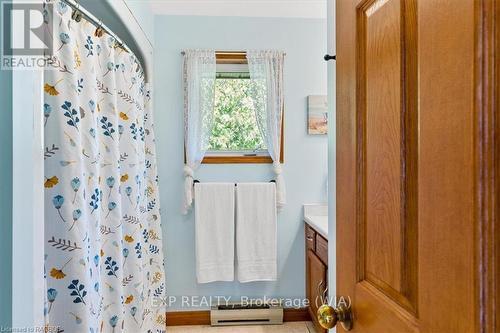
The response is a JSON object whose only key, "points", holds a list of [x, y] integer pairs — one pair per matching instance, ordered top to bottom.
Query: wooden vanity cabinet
{"points": [[316, 272]]}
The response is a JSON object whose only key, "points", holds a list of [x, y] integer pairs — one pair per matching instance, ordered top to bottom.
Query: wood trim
{"points": [[231, 57], [487, 104], [236, 159], [293, 314], [184, 318]]}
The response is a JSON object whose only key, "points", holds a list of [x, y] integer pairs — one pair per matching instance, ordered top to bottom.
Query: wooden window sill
{"points": [[236, 159]]}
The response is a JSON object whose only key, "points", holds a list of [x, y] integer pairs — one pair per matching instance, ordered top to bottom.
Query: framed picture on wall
{"points": [[317, 106]]}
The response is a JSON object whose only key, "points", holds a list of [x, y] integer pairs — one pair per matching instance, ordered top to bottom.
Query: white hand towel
{"points": [[214, 215], [256, 242]]}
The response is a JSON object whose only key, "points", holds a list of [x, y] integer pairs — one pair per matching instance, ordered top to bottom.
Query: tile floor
{"points": [[297, 327]]}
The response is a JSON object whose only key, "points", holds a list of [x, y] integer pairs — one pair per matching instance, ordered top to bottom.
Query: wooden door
{"points": [[417, 164], [317, 276]]}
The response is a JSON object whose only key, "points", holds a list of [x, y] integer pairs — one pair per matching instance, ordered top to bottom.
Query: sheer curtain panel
{"points": [[266, 73], [199, 93]]}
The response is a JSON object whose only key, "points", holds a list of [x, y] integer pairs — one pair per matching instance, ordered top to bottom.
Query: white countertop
{"points": [[316, 215]]}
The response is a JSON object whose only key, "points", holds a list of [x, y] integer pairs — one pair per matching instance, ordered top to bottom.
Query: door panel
{"points": [[380, 118], [407, 127], [386, 161]]}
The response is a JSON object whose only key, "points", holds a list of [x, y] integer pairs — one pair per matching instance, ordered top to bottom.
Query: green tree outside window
{"points": [[235, 126]]}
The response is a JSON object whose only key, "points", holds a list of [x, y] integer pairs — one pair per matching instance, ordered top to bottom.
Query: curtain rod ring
{"points": [[76, 15], [99, 31]]}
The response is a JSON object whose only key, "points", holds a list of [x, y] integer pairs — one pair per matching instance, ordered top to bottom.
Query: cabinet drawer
{"points": [[310, 239], [322, 249]]}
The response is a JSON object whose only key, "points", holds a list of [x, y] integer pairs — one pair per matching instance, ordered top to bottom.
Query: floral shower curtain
{"points": [[103, 247]]}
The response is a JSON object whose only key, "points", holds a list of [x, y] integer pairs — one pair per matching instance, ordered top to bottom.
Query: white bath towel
{"points": [[214, 215], [256, 242]]}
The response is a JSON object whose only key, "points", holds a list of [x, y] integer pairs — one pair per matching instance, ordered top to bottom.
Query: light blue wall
{"points": [[139, 8], [144, 15], [305, 170], [5, 197]]}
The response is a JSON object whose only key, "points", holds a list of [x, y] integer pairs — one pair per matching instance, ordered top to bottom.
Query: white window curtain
{"points": [[266, 73], [199, 94]]}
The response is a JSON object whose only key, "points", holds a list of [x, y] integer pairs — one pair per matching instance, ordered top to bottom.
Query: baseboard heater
{"points": [[238, 314]]}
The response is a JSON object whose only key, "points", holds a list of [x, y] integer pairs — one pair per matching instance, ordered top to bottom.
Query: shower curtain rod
{"points": [[97, 22]]}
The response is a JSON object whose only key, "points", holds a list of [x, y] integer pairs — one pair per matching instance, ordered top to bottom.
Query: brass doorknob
{"points": [[329, 316]]}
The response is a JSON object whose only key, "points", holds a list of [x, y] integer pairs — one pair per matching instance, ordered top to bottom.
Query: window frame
{"points": [[246, 157]]}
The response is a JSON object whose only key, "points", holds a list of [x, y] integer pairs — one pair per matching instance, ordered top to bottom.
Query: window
{"points": [[235, 127], [235, 136]]}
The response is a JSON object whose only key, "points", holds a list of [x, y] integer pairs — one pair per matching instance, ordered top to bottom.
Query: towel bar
{"points": [[235, 184]]}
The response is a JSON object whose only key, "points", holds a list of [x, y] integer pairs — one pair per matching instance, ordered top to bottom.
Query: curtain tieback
{"points": [[277, 168], [188, 171], [280, 186], [188, 188]]}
